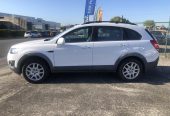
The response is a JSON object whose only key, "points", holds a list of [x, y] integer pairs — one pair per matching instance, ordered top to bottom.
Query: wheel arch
{"points": [[39, 56], [136, 56]]}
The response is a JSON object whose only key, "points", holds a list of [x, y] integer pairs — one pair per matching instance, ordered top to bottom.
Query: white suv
{"points": [[126, 49]]}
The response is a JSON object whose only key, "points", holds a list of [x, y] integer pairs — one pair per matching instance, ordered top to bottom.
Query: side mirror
{"points": [[61, 41]]}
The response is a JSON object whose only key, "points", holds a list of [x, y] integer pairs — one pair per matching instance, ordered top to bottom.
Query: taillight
{"points": [[155, 44]]}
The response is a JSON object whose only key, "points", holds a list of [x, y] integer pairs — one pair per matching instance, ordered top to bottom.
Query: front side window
{"points": [[108, 34], [78, 35]]}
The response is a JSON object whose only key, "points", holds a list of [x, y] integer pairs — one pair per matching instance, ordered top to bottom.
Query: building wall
{"points": [[17, 21], [36, 23]]}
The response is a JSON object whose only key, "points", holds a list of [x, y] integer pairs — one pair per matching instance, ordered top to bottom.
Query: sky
{"points": [[72, 11]]}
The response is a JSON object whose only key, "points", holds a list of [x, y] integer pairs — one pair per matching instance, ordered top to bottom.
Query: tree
{"points": [[118, 19], [149, 24]]}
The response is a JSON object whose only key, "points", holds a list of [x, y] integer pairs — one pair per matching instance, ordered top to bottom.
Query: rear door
{"points": [[134, 42], [108, 45]]}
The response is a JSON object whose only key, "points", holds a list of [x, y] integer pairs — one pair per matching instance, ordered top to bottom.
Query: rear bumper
{"points": [[151, 65]]}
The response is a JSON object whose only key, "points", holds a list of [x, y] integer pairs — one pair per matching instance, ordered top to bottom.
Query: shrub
{"points": [[5, 33], [17, 33]]}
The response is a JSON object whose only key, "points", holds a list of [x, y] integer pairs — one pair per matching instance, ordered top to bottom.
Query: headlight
{"points": [[14, 50]]}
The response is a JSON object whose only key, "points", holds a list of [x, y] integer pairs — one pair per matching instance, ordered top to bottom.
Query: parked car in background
{"points": [[54, 33], [27, 34], [32, 34], [45, 34], [158, 34], [168, 36]]}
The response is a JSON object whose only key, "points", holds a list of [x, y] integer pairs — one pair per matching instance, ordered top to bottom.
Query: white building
{"points": [[35, 23]]}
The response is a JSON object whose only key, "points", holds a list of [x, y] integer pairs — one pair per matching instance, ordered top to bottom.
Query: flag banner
{"points": [[90, 7]]}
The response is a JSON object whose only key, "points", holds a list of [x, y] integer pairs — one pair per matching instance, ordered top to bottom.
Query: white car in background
{"points": [[32, 34], [127, 49]]}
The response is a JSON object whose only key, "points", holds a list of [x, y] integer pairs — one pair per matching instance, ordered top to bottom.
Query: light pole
{"points": [[166, 44]]}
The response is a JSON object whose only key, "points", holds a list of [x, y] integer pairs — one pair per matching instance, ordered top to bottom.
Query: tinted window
{"points": [[108, 34], [78, 35], [131, 35]]}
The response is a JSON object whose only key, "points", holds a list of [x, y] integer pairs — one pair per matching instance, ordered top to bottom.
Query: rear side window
{"points": [[108, 34], [131, 35]]}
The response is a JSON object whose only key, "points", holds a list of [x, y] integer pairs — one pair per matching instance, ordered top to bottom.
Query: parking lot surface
{"points": [[86, 94]]}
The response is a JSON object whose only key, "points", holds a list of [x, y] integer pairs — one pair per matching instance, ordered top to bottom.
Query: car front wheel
{"points": [[35, 71]]}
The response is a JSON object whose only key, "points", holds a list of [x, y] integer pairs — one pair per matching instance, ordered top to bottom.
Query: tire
{"points": [[130, 70], [35, 71]]}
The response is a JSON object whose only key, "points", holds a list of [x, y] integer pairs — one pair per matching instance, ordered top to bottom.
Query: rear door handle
{"points": [[123, 45], [86, 47]]}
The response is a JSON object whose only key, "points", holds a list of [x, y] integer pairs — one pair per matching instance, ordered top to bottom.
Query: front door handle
{"points": [[51, 51]]}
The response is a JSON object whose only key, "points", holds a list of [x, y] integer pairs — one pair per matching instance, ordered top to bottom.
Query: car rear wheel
{"points": [[130, 69], [35, 71]]}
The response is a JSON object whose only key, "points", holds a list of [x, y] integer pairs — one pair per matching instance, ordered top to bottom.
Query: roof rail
{"points": [[109, 22]]}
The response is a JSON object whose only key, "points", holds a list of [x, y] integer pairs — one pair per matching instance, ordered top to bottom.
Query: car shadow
{"points": [[158, 76]]}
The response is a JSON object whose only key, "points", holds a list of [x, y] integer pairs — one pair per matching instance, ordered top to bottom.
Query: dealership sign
{"points": [[90, 7]]}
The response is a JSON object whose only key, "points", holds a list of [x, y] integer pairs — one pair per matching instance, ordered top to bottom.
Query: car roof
{"points": [[123, 25]]}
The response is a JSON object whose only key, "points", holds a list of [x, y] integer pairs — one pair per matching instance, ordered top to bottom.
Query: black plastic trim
{"points": [[33, 55], [128, 55], [151, 65], [101, 68]]}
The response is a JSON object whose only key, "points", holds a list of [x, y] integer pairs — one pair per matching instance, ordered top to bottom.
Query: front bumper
{"points": [[12, 60], [11, 64], [15, 70]]}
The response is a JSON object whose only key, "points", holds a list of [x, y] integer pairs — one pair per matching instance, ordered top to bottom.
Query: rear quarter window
{"points": [[129, 34], [150, 34]]}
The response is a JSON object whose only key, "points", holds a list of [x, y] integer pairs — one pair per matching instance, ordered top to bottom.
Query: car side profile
{"points": [[127, 49]]}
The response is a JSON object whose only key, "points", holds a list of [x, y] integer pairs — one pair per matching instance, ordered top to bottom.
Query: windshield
{"points": [[60, 34], [48, 39]]}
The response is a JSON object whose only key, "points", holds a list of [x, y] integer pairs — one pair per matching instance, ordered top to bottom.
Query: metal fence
{"points": [[161, 31]]}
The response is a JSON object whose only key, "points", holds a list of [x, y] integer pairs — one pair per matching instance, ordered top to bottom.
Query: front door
{"points": [[77, 51]]}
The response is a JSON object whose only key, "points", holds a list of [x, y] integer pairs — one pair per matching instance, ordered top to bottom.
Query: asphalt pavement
{"points": [[85, 94]]}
